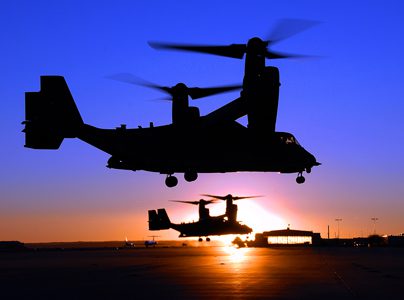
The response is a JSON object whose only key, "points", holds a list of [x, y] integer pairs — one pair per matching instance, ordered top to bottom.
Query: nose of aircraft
{"points": [[311, 162]]}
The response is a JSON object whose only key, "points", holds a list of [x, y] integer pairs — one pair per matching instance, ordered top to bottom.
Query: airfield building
{"points": [[287, 237], [291, 237]]}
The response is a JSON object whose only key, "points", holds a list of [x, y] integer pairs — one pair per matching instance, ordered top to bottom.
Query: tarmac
{"points": [[204, 273]]}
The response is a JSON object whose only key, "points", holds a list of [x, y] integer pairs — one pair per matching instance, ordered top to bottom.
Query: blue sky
{"points": [[345, 107]]}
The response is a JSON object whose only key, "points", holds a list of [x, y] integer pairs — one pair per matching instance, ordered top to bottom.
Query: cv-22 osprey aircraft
{"points": [[192, 144], [207, 225]]}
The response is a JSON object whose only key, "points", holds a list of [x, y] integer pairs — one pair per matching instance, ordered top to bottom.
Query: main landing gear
{"points": [[190, 176], [300, 179], [172, 181], [201, 239]]}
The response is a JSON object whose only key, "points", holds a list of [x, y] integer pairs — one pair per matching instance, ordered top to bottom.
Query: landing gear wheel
{"points": [[190, 176], [300, 179], [171, 181], [200, 239], [208, 239]]}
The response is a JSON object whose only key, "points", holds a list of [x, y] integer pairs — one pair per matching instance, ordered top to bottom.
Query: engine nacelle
{"points": [[262, 100]]}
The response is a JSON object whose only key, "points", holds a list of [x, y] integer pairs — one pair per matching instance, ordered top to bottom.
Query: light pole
{"points": [[338, 220], [374, 224]]}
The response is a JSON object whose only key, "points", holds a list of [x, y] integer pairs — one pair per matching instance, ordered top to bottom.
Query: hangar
{"points": [[291, 237]]}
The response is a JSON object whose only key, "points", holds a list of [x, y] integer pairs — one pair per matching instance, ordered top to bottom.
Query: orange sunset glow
{"points": [[331, 104], [106, 216]]}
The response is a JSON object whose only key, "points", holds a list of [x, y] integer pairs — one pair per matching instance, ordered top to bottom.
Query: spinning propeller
{"points": [[283, 30], [180, 90], [229, 197], [201, 201]]}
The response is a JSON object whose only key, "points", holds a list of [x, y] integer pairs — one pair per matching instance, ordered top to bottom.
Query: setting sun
{"points": [[251, 214], [258, 218]]}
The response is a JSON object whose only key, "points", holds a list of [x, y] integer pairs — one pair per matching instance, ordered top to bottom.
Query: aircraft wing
{"points": [[227, 113]]}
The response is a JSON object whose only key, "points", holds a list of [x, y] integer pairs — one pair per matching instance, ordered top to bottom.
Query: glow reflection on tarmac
{"points": [[236, 255], [205, 273]]}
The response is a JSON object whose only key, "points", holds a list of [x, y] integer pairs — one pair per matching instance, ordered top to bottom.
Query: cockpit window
{"points": [[288, 139]]}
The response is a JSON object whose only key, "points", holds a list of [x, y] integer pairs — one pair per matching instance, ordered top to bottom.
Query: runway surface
{"points": [[204, 273]]}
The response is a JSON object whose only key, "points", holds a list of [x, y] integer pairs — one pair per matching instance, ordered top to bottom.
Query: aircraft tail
{"points": [[50, 115], [158, 220]]}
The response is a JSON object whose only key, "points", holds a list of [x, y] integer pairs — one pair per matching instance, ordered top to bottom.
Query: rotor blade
{"points": [[286, 28], [233, 50], [275, 55], [132, 79], [196, 93], [216, 197], [232, 197], [245, 197], [208, 201], [187, 202], [196, 202]]}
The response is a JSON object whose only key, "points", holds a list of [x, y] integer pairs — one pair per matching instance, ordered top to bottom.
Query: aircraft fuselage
{"points": [[171, 149], [210, 227]]}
